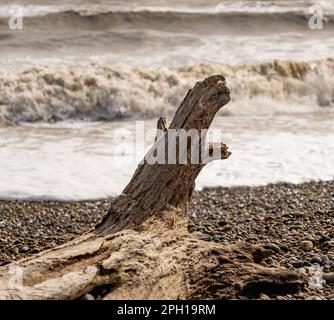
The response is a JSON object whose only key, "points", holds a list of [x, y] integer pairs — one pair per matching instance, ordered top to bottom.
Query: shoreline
{"points": [[293, 221]]}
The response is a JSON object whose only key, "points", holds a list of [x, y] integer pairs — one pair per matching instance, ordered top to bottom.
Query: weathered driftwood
{"points": [[142, 249]]}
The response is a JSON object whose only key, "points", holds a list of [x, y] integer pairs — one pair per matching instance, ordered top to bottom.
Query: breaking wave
{"points": [[181, 20], [101, 91]]}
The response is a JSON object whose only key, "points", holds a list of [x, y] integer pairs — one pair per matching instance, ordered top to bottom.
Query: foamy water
{"points": [[165, 33], [110, 92], [85, 161]]}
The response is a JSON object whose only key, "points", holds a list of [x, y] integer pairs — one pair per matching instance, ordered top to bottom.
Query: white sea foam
{"points": [[110, 92]]}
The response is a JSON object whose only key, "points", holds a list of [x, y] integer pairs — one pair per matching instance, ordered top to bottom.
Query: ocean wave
{"points": [[207, 7], [30, 10], [174, 19], [179, 19], [100, 91]]}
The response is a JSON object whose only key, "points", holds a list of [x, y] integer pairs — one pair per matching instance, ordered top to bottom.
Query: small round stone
{"points": [[306, 245], [285, 247], [24, 249], [316, 260]]}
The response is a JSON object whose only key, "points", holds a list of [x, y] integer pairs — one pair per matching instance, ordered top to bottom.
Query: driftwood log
{"points": [[142, 248]]}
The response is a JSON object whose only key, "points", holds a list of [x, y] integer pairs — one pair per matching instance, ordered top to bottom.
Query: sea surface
{"points": [[82, 85]]}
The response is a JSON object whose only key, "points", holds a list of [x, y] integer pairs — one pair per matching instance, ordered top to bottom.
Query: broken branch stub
{"points": [[154, 187]]}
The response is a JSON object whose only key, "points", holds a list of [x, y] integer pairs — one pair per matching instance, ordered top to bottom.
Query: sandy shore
{"points": [[293, 221]]}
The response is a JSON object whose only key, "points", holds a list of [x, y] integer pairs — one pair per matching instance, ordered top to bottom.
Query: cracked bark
{"points": [[142, 248]]}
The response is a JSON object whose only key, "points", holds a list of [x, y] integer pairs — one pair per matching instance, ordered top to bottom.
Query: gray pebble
{"points": [[24, 249], [316, 260]]}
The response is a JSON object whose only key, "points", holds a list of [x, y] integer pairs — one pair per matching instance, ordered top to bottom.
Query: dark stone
{"points": [[323, 239], [285, 247], [24, 249], [316, 260], [297, 264]]}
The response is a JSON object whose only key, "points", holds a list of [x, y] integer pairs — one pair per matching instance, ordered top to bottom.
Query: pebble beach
{"points": [[294, 222]]}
